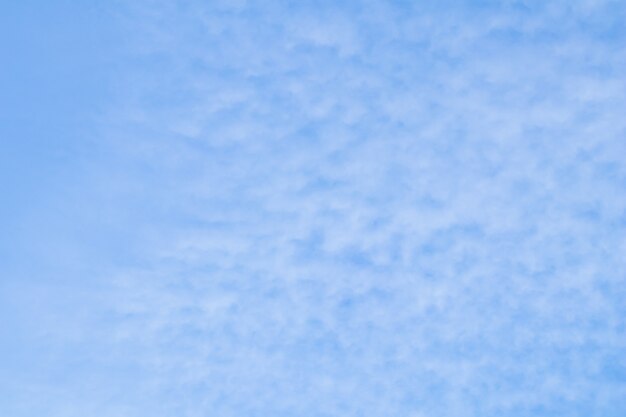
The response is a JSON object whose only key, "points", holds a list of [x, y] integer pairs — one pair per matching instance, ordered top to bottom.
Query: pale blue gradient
{"points": [[246, 208]]}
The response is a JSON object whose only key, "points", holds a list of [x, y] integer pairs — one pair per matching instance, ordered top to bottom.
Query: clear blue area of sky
{"points": [[57, 61]]}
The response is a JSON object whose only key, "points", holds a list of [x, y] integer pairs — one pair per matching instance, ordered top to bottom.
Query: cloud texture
{"points": [[346, 209]]}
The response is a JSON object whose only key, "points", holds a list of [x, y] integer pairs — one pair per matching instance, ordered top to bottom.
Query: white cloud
{"points": [[373, 210]]}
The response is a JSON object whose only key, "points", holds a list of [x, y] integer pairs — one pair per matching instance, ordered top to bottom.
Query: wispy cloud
{"points": [[377, 208]]}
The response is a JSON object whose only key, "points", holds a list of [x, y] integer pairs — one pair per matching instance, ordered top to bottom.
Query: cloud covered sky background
{"points": [[353, 208]]}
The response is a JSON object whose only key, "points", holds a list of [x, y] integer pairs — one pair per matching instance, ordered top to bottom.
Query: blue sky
{"points": [[331, 208]]}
